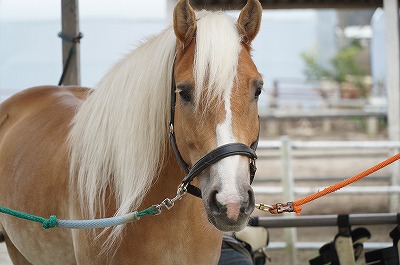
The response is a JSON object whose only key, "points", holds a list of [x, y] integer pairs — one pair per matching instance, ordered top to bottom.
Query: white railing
{"points": [[278, 118], [287, 147], [288, 189]]}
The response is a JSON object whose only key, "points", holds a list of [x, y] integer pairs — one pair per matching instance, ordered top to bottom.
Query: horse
{"points": [[81, 153]]}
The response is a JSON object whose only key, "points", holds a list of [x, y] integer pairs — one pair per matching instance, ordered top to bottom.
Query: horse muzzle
{"points": [[230, 213]]}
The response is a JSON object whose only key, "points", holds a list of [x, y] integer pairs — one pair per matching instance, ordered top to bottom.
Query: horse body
{"points": [[49, 110], [78, 153], [34, 170]]}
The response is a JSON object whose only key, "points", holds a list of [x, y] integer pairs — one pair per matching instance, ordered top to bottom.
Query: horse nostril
{"points": [[251, 202], [215, 206]]}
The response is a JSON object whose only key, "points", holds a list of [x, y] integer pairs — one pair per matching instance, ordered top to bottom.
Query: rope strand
{"points": [[297, 204], [46, 223]]}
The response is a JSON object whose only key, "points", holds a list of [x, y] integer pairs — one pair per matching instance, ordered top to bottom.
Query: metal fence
{"points": [[288, 189]]}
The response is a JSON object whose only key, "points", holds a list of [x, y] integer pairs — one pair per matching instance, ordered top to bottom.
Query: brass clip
{"points": [[264, 207]]}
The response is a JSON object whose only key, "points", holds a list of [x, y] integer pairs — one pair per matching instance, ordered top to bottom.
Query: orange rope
{"points": [[296, 205]]}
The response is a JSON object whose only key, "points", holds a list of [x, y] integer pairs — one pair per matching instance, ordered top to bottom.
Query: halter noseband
{"points": [[211, 157]]}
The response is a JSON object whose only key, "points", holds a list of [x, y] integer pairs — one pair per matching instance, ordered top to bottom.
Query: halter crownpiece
{"points": [[210, 158]]}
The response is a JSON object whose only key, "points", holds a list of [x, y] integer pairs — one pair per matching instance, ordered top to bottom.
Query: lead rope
{"points": [[295, 206], [98, 223]]}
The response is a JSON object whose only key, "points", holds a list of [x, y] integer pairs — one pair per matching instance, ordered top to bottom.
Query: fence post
{"points": [[391, 13], [372, 126], [395, 181], [290, 234]]}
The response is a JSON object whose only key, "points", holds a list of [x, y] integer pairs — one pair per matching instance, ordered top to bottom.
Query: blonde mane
{"points": [[119, 134]]}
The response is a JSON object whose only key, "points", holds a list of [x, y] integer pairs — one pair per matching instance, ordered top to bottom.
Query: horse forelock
{"points": [[216, 56]]}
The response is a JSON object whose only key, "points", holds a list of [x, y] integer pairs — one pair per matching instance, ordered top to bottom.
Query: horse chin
{"points": [[224, 224]]}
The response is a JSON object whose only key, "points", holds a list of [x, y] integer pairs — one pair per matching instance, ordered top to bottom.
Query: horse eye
{"points": [[258, 84], [185, 92], [258, 92], [185, 95]]}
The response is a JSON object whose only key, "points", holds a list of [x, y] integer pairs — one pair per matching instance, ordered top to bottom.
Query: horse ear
{"points": [[249, 21], [184, 22]]}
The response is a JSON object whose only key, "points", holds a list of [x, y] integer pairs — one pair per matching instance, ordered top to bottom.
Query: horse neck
{"points": [[167, 182], [166, 185], [187, 221]]}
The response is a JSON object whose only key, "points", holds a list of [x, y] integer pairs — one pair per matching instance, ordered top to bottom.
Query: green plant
{"points": [[345, 68]]}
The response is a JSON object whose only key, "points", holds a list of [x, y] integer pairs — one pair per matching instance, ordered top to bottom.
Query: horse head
{"points": [[216, 87]]}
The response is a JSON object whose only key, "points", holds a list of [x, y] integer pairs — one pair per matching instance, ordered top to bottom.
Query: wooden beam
{"points": [[287, 4], [70, 27]]}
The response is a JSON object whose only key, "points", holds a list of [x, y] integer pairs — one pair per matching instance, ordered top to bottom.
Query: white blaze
{"points": [[230, 168]]}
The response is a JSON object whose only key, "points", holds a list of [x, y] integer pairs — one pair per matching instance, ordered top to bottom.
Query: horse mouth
{"points": [[225, 224]]}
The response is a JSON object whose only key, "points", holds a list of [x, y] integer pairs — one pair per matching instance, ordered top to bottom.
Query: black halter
{"points": [[211, 157]]}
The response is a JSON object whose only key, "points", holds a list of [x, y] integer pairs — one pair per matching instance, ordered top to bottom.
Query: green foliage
{"points": [[345, 68], [313, 70]]}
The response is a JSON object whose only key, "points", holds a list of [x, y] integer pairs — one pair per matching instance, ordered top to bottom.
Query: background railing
{"points": [[287, 148]]}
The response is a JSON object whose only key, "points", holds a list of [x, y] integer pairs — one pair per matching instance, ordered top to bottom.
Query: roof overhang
{"points": [[286, 4]]}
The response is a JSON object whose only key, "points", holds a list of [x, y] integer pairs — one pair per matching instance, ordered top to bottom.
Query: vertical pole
{"points": [[170, 10], [391, 12], [70, 27], [326, 125], [372, 126], [395, 181], [290, 234]]}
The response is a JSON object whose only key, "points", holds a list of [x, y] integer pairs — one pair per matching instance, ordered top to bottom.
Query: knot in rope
{"points": [[73, 39], [50, 223]]}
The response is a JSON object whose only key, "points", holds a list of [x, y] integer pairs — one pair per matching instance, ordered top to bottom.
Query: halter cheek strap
{"points": [[210, 158]]}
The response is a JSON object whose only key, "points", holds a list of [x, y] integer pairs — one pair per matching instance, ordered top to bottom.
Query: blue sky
{"points": [[283, 36]]}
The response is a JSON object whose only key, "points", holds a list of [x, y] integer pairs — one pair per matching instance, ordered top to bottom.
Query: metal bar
{"points": [[280, 115], [263, 144], [345, 144], [263, 179], [395, 181], [347, 190], [326, 220], [290, 234], [317, 245]]}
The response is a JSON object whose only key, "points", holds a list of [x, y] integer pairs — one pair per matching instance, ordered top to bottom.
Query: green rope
{"points": [[153, 210], [53, 222], [46, 223]]}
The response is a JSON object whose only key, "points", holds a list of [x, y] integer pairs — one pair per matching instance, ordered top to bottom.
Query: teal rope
{"points": [[46, 223]]}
